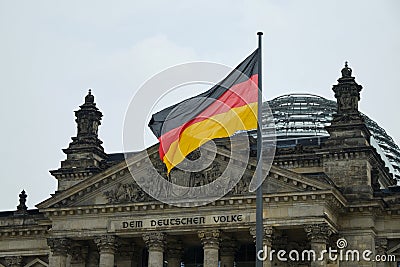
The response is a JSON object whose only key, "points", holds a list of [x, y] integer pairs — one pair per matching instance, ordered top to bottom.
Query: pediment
{"points": [[116, 185], [395, 249], [36, 263]]}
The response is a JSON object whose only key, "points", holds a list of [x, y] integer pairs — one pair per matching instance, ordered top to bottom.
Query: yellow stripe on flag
{"points": [[217, 126]]}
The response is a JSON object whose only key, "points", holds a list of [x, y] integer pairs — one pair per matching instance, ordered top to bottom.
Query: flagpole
{"points": [[259, 192]]}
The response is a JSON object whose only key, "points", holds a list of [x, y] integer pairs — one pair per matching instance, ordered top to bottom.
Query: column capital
{"points": [[252, 230], [268, 232], [318, 232], [210, 238], [154, 240], [106, 243], [381, 245], [59, 246], [228, 247], [13, 261]]}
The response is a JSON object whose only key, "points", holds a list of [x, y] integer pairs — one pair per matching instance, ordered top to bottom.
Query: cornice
{"points": [[235, 201], [27, 231]]}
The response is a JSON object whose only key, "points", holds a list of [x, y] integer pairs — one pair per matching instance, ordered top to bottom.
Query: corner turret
{"points": [[348, 127], [85, 154], [349, 159], [22, 209]]}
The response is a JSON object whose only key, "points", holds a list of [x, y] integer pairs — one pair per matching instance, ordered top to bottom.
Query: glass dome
{"points": [[299, 116]]}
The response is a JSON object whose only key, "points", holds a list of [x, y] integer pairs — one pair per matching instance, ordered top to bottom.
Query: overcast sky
{"points": [[51, 52]]}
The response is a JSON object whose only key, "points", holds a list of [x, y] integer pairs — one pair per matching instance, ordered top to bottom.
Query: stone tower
{"points": [[348, 127], [85, 154], [348, 157]]}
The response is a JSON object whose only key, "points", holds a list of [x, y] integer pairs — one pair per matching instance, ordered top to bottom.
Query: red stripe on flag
{"points": [[240, 94]]}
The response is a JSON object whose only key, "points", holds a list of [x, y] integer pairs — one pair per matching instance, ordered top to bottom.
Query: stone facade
{"points": [[338, 195]]}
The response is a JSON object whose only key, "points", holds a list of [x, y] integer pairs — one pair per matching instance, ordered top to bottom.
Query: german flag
{"points": [[228, 107]]}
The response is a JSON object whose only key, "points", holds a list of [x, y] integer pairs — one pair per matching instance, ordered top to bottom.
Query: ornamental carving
{"points": [[347, 93], [347, 102], [347, 118], [159, 167], [206, 176], [242, 187], [126, 193], [133, 193], [318, 232], [268, 234], [210, 237], [154, 240], [106, 243], [381, 245], [59, 246], [13, 261]]}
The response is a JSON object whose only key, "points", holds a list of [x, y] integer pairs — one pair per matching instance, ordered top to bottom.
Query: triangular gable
{"points": [[116, 185], [36, 262]]}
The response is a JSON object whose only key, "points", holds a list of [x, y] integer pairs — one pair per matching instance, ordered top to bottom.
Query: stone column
{"points": [[318, 234], [210, 240], [155, 242], [267, 242], [281, 242], [107, 245], [381, 249], [59, 251], [227, 251], [174, 253], [125, 254], [78, 256], [137, 257], [13, 261]]}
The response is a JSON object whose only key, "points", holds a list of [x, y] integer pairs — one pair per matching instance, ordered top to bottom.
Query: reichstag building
{"points": [[335, 176]]}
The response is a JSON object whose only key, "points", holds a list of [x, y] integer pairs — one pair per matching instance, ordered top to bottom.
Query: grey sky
{"points": [[51, 52]]}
